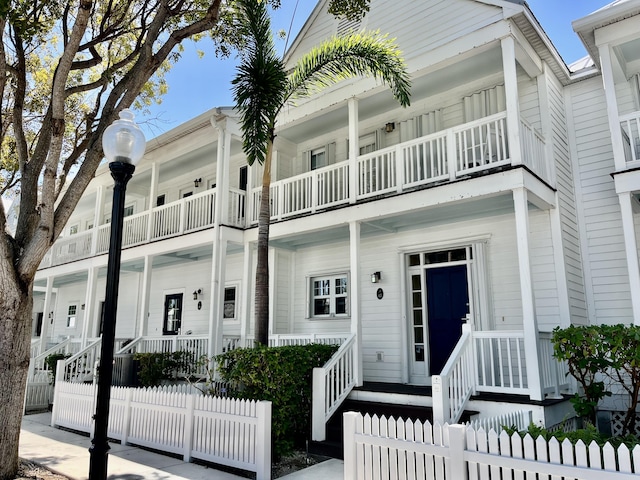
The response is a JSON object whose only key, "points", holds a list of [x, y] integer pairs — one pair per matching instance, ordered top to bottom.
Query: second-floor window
{"points": [[321, 156], [318, 158], [329, 296], [230, 303], [72, 312]]}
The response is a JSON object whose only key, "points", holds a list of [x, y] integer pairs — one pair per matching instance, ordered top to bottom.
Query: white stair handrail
{"points": [[456, 382], [332, 383]]}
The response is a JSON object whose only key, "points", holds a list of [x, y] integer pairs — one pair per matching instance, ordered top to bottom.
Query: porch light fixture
{"points": [[390, 127], [123, 144], [197, 182], [375, 277], [197, 293]]}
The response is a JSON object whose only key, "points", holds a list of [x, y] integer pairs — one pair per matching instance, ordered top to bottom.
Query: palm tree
{"points": [[262, 87]]}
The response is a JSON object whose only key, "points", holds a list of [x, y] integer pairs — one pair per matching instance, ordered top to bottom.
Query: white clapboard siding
{"points": [[566, 201], [598, 203], [227, 431], [377, 448]]}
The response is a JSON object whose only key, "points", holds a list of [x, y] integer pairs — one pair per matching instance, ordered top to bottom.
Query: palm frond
{"points": [[358, 54], [260, 80]]}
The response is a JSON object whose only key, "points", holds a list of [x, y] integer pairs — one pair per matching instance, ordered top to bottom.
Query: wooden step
{"points": [[333, 445]]}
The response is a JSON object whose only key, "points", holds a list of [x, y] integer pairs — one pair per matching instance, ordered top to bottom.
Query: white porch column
{"points": [[543, 80], [512, 101], [612, 105], [354, 149], [222, 170], [153, 193], [248, 199], [97, 217], [219, 248], [631, 249], [247, 283], [272, 287], [356, 288], [145, 296], [89, 304], [216, 304], [47, 311], [530, 324]]}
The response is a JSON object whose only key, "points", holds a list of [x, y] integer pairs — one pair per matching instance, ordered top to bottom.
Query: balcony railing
{"points": [[630, 125], [443, 156], [183, 216]]}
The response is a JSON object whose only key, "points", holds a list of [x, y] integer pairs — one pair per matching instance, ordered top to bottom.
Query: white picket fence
{"points": [[39, 391], [520, 420], [226, 431], [379, 448]]}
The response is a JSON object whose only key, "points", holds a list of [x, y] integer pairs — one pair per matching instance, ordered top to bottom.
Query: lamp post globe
{"points": [[123, 144]]}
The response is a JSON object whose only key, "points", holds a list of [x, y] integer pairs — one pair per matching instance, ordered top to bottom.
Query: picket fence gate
{"points": [[226, 431], [389, 449]]}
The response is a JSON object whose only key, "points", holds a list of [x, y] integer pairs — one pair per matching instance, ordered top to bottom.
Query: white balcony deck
{"points": [[437, 158], [187, 215]]}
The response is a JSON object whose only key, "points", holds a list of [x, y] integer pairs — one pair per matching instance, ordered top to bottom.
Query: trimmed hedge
{"points": [[155, 367], [283, 376]]}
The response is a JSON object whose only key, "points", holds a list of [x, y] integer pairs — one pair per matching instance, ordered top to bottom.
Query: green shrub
{"points": [[599, 356], [51, 361], [155, 367], [283, 376], [587, 435]]}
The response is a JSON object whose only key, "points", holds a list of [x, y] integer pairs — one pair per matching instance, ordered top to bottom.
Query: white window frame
{"points": [[314, 153], [74, 229], [332, 295], [72, 317], [235, 318]]}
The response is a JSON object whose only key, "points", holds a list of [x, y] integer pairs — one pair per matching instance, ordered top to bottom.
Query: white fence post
{"points": [[30, 376], [59, 379], [440, 391], [318, 399], [188, 427], [126, 428], [263, 443], [457, 447], [350, 448]]}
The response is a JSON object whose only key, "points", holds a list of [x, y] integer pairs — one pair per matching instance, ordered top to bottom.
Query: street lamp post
{"points": [[123, 144]]}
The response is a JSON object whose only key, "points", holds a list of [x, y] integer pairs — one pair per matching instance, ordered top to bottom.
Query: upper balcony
{"points": [[630, 126], [463, 151], [190, 214]]}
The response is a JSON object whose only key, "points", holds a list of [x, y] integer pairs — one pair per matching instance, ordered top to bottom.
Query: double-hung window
{"points": [[329, 296], [229, 303], [72, 312]]}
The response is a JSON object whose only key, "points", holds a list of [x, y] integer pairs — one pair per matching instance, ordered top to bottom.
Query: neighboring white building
{"points": [[506, 196]]}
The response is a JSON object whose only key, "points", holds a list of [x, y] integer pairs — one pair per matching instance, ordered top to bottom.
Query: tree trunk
{"points": [[262, 267], [16, 305]]}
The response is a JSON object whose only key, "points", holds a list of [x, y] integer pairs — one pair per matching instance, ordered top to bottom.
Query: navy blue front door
{"points": [[447, 305]]}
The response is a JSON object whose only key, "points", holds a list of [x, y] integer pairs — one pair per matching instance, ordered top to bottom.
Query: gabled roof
{"points": [[517, 10], [585, 27]]}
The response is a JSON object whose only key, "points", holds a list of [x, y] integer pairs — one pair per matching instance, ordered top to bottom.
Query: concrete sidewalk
{"points": [[67, 453]]}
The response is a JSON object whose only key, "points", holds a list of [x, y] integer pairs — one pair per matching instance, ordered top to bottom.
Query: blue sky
{"points": [[198, 84]]}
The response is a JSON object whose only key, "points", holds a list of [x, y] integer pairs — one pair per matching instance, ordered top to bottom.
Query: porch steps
{"points": [[391, 400]]}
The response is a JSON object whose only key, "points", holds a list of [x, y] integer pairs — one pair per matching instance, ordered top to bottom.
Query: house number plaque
{"points": [[380, 294]]}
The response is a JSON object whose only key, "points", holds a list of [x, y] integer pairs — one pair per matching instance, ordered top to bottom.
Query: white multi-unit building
{"points": [[439, 244]]}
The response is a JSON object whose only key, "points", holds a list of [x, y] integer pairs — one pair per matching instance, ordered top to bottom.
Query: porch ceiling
{"points": [[425, 85], [428, 217]]}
